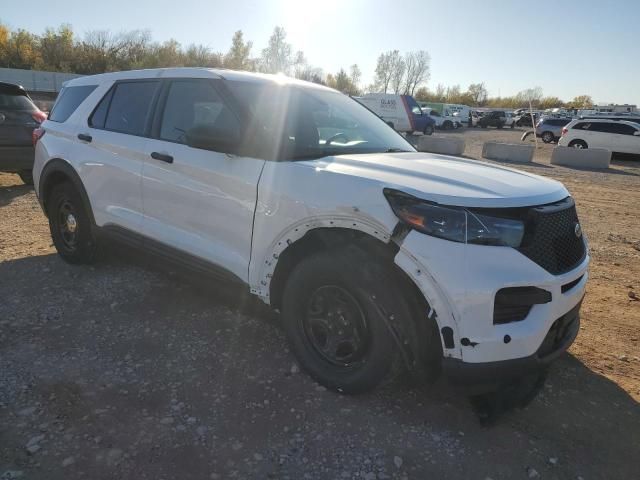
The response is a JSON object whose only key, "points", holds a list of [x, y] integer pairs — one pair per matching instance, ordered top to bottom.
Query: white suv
{"points": [[615, 135], [377, 256]]}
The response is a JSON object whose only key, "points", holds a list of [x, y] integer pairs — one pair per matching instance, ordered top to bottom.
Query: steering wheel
{"points": [[335, 137]]}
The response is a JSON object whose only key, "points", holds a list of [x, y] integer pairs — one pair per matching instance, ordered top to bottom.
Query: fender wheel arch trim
{"points": [[54, 166], [298, 230], [441, 308]]}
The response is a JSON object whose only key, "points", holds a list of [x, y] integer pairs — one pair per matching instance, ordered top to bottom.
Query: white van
{"points": [[401, 112]]}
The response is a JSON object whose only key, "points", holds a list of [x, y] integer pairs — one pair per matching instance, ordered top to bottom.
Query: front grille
{"points": [[550, 238]]}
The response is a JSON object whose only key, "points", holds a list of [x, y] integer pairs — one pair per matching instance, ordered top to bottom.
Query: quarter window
{"points": [[68, 101], [192, 103], [129, 108]]}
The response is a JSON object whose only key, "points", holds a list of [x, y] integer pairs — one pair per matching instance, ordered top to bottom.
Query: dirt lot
{"points": [[124, 370]]}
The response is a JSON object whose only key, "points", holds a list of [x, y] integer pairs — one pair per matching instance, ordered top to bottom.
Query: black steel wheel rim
{"points": [[68, 225], [336, 327]]}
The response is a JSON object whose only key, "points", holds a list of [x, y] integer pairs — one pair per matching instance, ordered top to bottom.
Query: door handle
{"points": [[84, 137], [163, 157]]}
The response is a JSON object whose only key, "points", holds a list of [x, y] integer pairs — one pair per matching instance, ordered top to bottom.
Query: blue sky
{"points": [[567, 48]]}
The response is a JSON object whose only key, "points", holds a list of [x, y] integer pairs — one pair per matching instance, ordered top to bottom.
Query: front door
{"points": [[199, 201]]}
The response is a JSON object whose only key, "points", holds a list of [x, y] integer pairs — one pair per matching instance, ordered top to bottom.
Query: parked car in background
{"points": [[401, 112], [18, 117], [494, 118], [526, 119], [509, 120], [444, 122], [550, 129], [615, 135], [380, 259]]}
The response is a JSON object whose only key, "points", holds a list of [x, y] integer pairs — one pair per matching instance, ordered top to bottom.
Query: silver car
{"points": [[550, 129]]}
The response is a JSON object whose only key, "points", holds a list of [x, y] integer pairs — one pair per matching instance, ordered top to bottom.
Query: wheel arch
{"points": [[55, 172], [327, 238]]}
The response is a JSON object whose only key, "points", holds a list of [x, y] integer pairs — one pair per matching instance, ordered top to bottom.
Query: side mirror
{"points": [[208, 137]]}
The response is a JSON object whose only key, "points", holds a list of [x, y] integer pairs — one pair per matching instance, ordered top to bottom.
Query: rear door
{"points": [[626, 140], [115, 148], [199, 201]]}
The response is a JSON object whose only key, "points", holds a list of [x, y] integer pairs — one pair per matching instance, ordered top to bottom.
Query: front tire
{"points": [[447, 125], [428, 130], [579, 144], [71, 228], [332, 311]]}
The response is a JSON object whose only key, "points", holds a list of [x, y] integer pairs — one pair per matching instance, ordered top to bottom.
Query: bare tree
{"points": [[276, 57], [398, 68], [417, 70], [384, 72], [356, 75], [478, 93], [529, 96]]}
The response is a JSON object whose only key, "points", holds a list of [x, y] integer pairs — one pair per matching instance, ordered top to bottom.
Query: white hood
{"points": [[448, 180]]}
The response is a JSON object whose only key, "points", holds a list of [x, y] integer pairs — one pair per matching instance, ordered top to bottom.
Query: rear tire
{"points": [[579, 144], [26, 176], [71, 227], [335, 309]]}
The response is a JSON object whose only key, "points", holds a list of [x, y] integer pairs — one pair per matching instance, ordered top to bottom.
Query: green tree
{"points": [[238, 56]]}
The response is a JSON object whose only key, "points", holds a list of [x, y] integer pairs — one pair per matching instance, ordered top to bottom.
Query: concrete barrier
{"points": [[443, 145], [511, 152], [581, 158]]}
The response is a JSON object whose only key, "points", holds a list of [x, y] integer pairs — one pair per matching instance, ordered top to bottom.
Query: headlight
{"points": [[455, 223]]}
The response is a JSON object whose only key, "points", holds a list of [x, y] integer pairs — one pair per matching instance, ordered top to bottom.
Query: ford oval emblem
{"points": [[578, 230]]}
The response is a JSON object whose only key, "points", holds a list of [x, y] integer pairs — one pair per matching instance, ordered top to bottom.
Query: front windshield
{"points": [[312, 123]]}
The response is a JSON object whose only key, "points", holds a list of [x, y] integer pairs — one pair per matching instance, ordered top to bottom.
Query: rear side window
{"points": [[15, 101], [68, 101], [194, 103], [126, 107], [99, 115], [582, 126]]}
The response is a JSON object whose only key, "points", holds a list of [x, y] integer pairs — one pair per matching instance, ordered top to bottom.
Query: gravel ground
{"points": [[127, 370]]}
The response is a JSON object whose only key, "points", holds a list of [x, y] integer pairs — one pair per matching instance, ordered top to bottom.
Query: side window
{"points": [[68, 101], [192, 103], [129, 107], [99, 115], [582, 126], [602, 127], [623, 129]]}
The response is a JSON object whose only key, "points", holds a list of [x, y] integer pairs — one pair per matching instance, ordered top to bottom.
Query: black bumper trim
{"points": [[487, 375]]}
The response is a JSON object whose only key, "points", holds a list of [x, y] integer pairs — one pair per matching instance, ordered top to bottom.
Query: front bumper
{"points": [[16, 158], [460, 283], [490, 375]]}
